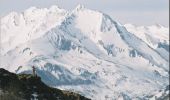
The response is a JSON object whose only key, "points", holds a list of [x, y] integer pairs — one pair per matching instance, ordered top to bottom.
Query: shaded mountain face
{"points": [[86, 51], [28, 87]]}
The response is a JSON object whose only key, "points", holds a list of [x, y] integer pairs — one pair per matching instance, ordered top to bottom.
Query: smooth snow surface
{"points": [[87, 52]]}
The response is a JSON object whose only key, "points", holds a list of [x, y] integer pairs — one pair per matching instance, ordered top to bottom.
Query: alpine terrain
{"points": [[87, 52]]}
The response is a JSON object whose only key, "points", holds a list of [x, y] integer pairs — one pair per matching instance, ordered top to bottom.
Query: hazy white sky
{"points": [[139, 12]]}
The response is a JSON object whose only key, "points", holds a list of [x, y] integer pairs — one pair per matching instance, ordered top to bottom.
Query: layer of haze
{"points": [[138, 12]]}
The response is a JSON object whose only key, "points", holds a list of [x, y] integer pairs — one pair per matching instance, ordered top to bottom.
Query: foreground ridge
{"points": [[28, 87]]}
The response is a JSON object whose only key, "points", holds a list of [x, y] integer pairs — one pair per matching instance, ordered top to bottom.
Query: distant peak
{"points": [[54, 7], [80, 7], [31, 9], [129, 25], [158, 25]]}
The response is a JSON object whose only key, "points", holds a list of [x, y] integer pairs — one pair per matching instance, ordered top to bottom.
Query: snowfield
{"points": [[87, 52]]}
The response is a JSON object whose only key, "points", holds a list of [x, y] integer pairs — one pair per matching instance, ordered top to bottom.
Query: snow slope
{"points": [[156, 36], [87, 52]]}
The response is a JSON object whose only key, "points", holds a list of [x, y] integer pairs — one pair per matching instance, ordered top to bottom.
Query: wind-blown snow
{"points": [[87, 52]]}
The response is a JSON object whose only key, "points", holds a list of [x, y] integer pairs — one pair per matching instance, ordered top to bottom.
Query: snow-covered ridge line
{"points": [[30, 24]]}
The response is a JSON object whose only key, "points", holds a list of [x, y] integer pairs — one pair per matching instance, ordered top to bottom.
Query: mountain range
{"points": [[88, 52]]}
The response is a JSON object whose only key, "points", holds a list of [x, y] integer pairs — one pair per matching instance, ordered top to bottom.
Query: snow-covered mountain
{"points": [[87, 51]]}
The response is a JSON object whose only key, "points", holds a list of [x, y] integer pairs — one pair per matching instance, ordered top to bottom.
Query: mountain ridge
{"points": [[26, 87]]}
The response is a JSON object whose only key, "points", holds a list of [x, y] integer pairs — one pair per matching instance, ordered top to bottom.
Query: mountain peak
{"points": [[79, 7], [55, 8], [31, 9], [158, 25]]}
